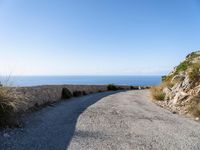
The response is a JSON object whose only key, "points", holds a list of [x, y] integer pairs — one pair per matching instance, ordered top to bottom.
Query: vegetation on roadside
{"points": [[112, 87], [134, 87], [157, 93], [66, 94], [9, 104], [194, 106]]}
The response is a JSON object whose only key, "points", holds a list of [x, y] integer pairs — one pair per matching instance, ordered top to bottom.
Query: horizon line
{"points": [[88, 75]]}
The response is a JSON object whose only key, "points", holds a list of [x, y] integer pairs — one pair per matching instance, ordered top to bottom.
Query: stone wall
{"points": [[40, 95]]}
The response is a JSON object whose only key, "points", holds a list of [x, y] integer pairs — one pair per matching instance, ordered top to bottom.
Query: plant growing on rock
{"points": [[181, 87]]}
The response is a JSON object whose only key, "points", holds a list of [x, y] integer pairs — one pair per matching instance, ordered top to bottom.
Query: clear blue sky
{"points": [[96, 37]]}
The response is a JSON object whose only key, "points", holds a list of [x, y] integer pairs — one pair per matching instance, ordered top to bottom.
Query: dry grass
{"points": [[157, 93], [10, 101], [194, 106]]}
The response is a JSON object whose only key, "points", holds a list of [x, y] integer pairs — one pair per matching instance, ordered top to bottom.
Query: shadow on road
{"points": [[50, 128], [70, 128]]}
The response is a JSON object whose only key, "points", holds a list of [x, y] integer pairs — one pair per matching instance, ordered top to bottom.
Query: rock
{"points": [[186, 84], [176, 87], [184, 87], [168, 92], [179, 97], [197, 118]]}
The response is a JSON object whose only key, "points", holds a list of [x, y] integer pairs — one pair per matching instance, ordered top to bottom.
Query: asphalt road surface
{"points": [[110, 120]]}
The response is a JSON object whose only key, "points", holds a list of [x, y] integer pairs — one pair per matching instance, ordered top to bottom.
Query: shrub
{"points": [[182, 66], [168, 84], [112, 87], [134, 87], [77, 93], [157, 93], [66, 94], [9, 104], [194, 106]]}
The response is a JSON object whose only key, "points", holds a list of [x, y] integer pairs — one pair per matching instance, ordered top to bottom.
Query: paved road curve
{"points": [[125, 120]]}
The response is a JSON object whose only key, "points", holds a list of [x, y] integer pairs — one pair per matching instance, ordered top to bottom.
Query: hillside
{"points": [[180, 90]]}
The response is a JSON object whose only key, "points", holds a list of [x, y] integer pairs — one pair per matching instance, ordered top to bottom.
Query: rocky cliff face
{"points": [[182, 86]]}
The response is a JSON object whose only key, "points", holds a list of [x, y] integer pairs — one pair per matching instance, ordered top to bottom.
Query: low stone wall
{"points": [[40, 95]]}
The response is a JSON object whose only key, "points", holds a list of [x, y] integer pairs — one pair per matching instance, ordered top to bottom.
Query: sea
{"points": [[80, 80]]}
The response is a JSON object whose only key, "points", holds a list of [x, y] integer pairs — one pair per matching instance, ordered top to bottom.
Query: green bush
{"points": [[182, 67], [112, 87], [66, 94]]}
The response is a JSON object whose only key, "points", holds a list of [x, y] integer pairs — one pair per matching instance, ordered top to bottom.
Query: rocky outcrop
{"points": [[182, 84]]}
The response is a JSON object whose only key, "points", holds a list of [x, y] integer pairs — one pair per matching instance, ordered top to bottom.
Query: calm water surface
{"points": [[96, 80]]}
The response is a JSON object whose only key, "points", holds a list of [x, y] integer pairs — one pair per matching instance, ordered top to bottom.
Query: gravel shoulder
{"points": [[109, 120]]}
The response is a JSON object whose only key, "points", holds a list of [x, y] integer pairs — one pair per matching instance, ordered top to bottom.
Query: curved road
{"points": [[109, 120]]}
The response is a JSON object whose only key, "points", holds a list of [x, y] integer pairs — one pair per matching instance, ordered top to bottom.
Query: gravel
{"points": [[108, 120]]}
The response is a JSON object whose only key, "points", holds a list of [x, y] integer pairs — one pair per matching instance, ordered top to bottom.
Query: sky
{"points": [[96, 37]]}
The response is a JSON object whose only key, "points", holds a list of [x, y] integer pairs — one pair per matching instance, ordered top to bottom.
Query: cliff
{"points": [[181, 88]]}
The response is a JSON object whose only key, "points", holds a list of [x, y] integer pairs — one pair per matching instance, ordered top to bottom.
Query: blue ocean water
{"points": [[81, 80]]}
